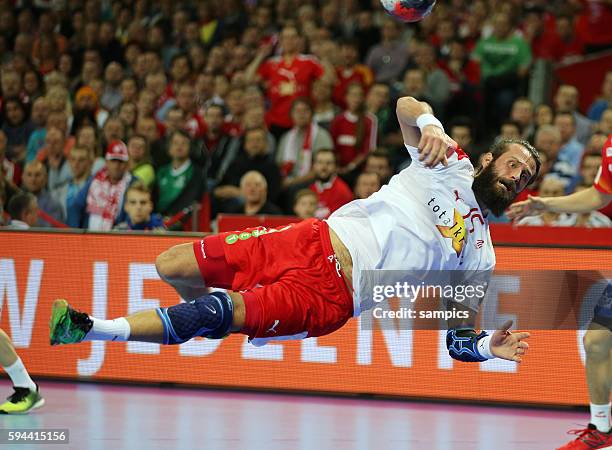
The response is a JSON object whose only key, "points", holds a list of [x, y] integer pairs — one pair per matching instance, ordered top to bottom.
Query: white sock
{"points": [[109, 330], [19, 375], [600, 417]]}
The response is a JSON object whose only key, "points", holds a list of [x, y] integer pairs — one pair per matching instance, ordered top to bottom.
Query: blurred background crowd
{"points": [[138, 114]]}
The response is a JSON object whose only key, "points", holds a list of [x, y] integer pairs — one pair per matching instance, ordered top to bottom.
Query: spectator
{"points": [[566, 42], [388, 58], [504, 62], [350, 71], [464, 77], [286, 78], [437, 86], [129, 90], [111, 96], [234, 100], [566, 100], [604, 101], [377, 104], [324, 108], [128, 113], [522, 113], [543, 115], [254, 117], [605, 123], [147, 127], [17, 128], [113, 130], [509, 130], [354, 131], [461, 133], [86, 136], [548, 141], [36, 143], [297, 146], [219, 148], [571, 150], [253, 157], [80, 160], [591, 161], [378, 162], [139, 163], [57, 165], [10, 170], [34, 181], [180, 183], [367, 183], [551, 186], [253, 188], [331, 190], [305, 204], [99, 205], [23, 210], [139, 210]]}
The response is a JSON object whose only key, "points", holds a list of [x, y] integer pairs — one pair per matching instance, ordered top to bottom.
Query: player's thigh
{"points": [[178, 264], [290, 308], [597, 340]]}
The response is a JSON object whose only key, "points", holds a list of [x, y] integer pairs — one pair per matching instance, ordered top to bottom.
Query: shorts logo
{"points": [[244, 235], [231, 239], [202, 249], [272, 328]]}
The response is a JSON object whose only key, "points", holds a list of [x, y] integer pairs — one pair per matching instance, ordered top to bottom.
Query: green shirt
{"points": [[501, 57], [171, 183]]}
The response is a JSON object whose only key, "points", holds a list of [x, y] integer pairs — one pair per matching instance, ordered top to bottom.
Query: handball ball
{"points": [[408, 10]]}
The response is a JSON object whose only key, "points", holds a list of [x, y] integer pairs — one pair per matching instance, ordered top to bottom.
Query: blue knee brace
{"points": [[209, 316]]}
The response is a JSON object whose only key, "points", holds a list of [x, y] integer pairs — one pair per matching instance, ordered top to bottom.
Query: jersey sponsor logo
{"points": [[609, 151], [456, 232], [244, 235]]}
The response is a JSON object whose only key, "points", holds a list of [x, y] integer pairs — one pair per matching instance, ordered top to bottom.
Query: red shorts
{"points": [[288, 278]]}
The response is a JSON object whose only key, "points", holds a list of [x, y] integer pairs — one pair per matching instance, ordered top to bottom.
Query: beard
{"points": [[496, 193]]}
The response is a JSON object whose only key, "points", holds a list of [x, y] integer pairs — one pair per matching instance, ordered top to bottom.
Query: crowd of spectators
{"points": [[122, 114]]}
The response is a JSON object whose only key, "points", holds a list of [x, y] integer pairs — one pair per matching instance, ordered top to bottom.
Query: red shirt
{"points": [[593, 25], [359, 74], [286, 81], [344, 129], [332, 195]]}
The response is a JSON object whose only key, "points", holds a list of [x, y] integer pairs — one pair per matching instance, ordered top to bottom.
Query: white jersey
{"points": [[425, 219]]}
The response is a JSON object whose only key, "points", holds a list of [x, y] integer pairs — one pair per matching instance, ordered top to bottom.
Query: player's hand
{"points": [[435, 146], [530, 207], [507, 345]]}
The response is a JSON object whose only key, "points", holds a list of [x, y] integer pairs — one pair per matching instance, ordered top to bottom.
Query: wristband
{"points": [[428, 119], [463, 345], [484, 347]]}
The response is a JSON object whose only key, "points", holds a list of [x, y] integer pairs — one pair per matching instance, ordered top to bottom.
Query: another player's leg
{"points": [[211, 315], [598, 349], [26, 396]]}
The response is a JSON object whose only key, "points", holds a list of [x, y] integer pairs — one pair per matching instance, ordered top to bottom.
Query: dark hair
{"points": [[305, 100], [565, 113], [462, 121], [511, 122], [181, 133], [501, 147], [325, 150], [379, 153], [19, 204]]}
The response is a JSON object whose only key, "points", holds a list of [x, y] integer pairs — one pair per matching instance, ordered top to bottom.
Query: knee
{"points": [[168, 265], [597, 343]]}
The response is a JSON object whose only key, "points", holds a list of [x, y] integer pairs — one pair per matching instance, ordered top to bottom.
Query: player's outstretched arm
{"points": [[422, 130], [580, 202], [464, 344]]}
